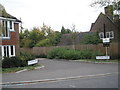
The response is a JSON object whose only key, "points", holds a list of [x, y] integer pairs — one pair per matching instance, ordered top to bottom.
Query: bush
{"points": [[63, 53], [26, 56], [41, 56], [19, 61], [12, 62]]}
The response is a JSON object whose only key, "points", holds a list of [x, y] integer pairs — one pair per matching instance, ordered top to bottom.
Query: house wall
{"points": [[110, 26], [14, 39]]}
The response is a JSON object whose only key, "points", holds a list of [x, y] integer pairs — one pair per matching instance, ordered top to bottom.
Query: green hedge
{"points": [[63, 53], [20, 61], [12, 62]]}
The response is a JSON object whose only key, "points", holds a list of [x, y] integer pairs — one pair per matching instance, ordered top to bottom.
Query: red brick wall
{"points": [[14, 38], [11, 41]]}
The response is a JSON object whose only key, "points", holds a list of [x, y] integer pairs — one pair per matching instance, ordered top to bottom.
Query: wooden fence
{"points": [[113, 50]]}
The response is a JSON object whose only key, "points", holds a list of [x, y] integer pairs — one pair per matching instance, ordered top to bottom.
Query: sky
{"points": [[54, 13]]}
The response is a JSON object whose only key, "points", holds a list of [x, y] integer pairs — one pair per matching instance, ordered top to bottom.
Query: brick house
{"points": [[108, 23], [9, 34]]}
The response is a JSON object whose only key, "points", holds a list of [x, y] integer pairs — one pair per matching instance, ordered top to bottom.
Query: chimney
{"points": [[109, 11]]}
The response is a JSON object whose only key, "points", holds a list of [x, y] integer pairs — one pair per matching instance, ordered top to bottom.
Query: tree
{"points": [[102, 3], [65, 31], [91, 39]]}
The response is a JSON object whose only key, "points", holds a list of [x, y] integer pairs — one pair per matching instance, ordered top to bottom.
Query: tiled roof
{"points": [[4, 14]]}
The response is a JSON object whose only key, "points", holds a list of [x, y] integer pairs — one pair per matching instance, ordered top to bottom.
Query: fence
{"points": [[112, 51]]}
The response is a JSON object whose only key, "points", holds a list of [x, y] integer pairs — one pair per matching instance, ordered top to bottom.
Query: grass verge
{"points": [[94, 60], [12, 70]]}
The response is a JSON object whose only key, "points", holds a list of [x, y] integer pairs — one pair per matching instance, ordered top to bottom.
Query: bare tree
{"points": [[103, 3], [74, 35]]}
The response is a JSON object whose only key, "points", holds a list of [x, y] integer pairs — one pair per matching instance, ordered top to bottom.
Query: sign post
{"points": [[106, 44]]}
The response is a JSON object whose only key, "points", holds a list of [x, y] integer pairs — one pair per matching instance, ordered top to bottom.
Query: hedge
{"points": [[64, 53]]}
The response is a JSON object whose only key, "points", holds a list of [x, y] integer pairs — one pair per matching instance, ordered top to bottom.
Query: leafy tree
{"points": [[65, 31], [36, 35], [23, 36], [44, 36], [91, 39], [44, 42]]}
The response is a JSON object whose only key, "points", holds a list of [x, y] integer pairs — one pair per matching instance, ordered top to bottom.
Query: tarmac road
{"points": [[62, 69]]}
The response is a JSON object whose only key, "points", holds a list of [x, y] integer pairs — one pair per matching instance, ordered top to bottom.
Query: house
{"points": [[108, 25], [9, 34]]}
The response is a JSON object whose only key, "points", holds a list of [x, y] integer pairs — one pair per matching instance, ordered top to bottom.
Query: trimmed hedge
{"points": [[64, 53], [20, 61], [12, 62]]}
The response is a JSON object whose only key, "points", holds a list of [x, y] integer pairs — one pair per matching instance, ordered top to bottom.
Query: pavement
{"points": [[60, 69]]}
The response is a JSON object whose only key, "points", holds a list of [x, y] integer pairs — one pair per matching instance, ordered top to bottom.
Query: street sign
{"points": [[106, 40], [102, 57], [32, 62]]}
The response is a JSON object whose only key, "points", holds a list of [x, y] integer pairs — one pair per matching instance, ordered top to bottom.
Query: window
{"points": [[10, 24], [5, 30], [107, 34], [110, 34], [101, 35], [12, 50], [8, 51]]}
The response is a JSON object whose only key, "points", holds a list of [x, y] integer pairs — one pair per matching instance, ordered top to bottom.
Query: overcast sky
{"points": [[54, 13]]}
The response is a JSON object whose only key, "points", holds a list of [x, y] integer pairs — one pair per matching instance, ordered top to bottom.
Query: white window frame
{"points": [[8, 26], [12, 26], [8, 31], [101, 34], [109, 34], [9, 47], [13, 50]]}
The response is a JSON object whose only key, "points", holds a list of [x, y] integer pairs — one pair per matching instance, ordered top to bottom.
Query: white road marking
{"points": [[55, 79], [72, 86]]}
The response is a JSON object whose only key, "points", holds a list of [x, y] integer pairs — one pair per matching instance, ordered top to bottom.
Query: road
{"points": [[101, 75]]}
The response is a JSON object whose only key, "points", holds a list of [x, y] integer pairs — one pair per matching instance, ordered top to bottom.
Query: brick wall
{"points": [[14, 39]]}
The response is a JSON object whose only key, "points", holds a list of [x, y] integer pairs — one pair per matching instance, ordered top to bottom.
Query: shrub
{"points": [[63, 53], [96, 53], [26, 56], [41, 56], [19, 61], [12, 62]]}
